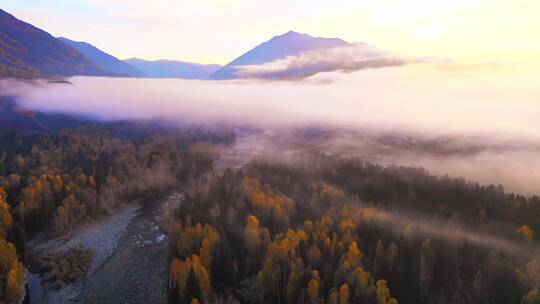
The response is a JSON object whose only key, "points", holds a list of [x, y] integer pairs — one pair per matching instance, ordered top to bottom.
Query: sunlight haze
{"points": [[217, 31], [260, 152]]}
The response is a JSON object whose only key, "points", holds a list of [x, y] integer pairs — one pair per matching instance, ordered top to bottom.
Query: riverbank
{"points": [[101, 235], [137, 272]]}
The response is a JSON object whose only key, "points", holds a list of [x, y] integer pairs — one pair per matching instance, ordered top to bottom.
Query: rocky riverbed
{"points": [[101, 235], [130, 263], [137, 272]]}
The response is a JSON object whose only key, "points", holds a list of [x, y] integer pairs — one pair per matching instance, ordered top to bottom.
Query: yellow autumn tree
{"points": [[269, 203], [5, 214], [526, 232], [252, 235], [210, 239], [314, 255], [354, 255], [11, 269], [202, 274], [178, 277], [362, 278], [15, 282], [292, 286], [313, 290], [383, 293], [343, 295], [333, 297], [531, 297]]}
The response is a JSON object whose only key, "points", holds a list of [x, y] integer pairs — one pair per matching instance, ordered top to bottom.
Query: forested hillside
{"points": [[29, 52], [53, 180], [308, 228], [327, 230]]}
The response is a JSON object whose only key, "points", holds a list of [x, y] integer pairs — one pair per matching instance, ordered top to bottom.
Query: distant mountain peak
{"points": [[294, 34], [289, 44], [295, 55]]}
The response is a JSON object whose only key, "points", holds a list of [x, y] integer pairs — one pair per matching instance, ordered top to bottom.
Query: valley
{"points": [[247, 152]]}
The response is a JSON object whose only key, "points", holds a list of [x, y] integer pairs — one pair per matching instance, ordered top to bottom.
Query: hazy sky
{"points": [[220, 30]]}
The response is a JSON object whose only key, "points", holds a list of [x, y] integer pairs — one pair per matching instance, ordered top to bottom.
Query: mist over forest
{"points": [[432, 98], [476, 121], [415, 183]]}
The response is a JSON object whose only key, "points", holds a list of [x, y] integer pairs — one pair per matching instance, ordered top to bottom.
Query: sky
{"points": [[217, 31]]}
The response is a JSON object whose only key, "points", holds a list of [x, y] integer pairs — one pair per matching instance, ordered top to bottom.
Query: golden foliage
{"points": [[267, 202], [6, 219], [526, 232], [252, 235], [314, 254], [354, 255], [11, 269], [179, 272], [15, 281], [313, 290], [383, 293], [344, 294], [333, 297], [531, 297]]}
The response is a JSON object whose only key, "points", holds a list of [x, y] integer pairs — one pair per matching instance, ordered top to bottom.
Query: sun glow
{"points": [[219, 30]]}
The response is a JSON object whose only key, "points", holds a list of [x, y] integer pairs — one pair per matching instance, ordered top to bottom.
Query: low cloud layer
{"points": [[345, 59], [427, 98], [497, 103]]}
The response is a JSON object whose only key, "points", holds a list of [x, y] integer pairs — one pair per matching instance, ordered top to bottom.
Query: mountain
{"points": [[279, 47], [28, 52], [103, 60], [173, 69]]}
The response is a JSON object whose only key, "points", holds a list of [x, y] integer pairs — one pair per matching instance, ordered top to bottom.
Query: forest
{"points": [[53, 180], [305, 228], [322, 229]]}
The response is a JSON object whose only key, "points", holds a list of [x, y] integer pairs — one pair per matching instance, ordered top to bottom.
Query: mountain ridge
{"points": [[29, 52], [103, 59], [165, 68]]}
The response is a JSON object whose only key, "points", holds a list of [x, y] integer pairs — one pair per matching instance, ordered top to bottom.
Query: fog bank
{"points": [[444, 98], [476, 121]]}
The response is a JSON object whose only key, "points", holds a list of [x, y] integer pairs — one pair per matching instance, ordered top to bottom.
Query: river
{"points": [[130, 261], [133, 263], [137, 272], [35, 288]]}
